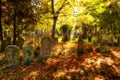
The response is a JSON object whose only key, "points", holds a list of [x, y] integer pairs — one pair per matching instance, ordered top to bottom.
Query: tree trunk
{"points": [[55, 16], [14, 25], [54, 25], [1, 35], [90, 36]]}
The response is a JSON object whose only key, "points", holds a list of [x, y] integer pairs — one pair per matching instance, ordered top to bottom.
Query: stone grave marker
{"points": [[100, 37], [46, 44], [80, 45], [28, 54], [12, 55]]}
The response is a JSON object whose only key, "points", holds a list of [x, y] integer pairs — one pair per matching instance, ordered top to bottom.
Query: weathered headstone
{"points": [[64, 30], [90, 36], [100, 37], [37, 39], [80, 44], [45, 47], [28, 54], [12, 55]]}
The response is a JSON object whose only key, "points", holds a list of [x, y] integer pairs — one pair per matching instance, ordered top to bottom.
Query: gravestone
{"points": [[64, 30], [90, 36], [100, 37], [37, 38], [46, 44], [80, 44], [28, 54], [12, 55]]}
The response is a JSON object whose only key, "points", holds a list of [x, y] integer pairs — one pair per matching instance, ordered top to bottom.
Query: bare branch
{"points": [[52, 3], [61, 7]]}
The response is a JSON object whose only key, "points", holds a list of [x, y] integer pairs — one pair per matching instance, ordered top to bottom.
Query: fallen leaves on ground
{"points": [[69, 66]]}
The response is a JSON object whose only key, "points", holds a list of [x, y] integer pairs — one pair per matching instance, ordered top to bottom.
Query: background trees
{"points": [[25, 16], [17, 18]]}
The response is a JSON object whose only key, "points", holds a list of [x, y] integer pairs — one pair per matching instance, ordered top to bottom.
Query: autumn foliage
{"points": [[69, 66]]}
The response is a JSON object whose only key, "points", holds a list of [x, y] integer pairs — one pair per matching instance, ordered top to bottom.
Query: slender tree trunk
{"points": [[55, 16], [14, 25], [54, 25], [14, 30], [1, 35]]}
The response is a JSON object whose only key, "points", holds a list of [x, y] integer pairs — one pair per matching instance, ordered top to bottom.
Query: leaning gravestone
{"points": [[46, 44], [12, 55], [28, 55]]}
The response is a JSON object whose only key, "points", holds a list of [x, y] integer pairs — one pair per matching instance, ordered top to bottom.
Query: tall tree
{"points": [[56, 14], [19, 16], [14, 23], [1, 36]]}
